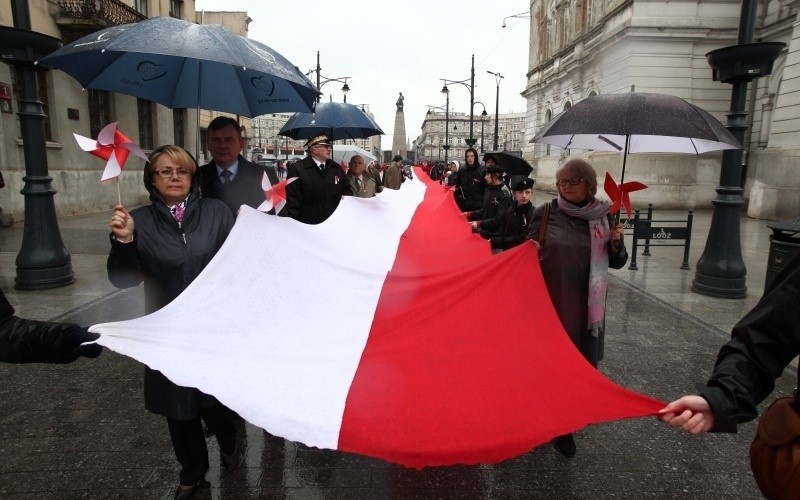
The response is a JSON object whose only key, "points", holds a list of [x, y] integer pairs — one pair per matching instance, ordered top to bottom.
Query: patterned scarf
{"points": [[177, 212], [595, 212]]}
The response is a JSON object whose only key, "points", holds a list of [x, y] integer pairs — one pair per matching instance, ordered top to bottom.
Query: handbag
{"points": [[775, 450]]}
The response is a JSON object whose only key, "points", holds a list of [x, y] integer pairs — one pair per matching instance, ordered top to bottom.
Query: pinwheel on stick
{"points": [[114, 147], [275, 194]]}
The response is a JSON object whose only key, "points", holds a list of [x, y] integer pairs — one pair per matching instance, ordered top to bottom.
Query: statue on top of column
{"points": [[399, 102]]}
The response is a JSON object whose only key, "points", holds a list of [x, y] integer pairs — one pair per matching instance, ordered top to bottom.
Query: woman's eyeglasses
{"points": [[167, 173], [571, 182]]}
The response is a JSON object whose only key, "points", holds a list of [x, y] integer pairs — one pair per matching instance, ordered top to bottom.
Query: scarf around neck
{"points": [[595, 212]]}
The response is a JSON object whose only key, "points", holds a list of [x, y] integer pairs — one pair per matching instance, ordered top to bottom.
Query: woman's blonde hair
{"points": [[177, 154], [580, 168]]}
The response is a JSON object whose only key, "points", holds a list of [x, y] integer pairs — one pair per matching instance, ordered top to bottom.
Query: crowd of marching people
{"points": [[577, 238]]}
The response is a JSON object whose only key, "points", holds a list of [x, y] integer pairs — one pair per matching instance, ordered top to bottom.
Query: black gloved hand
{"points": [[74, 337]]}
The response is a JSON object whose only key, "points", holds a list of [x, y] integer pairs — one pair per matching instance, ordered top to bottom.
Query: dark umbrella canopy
{"points": [[186, 65], [338, 120], [651, 123], [511, 163]]}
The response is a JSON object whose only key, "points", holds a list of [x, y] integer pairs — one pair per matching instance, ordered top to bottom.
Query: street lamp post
{"points": [[497, 77], [321, 80], [471, 87], [483, 119], [446, 146], [43, 261]]}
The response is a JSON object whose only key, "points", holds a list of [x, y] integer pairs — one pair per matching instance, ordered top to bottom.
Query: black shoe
{"points": [[566, 445], [231, 462], [184, 492]]}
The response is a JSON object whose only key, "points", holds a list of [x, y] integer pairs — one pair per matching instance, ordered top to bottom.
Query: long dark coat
{"points": [[470, 184], [244, 189], [316, 193], [496, 200], [509, 228], [168, 258], [565, 265], [762, 344]]}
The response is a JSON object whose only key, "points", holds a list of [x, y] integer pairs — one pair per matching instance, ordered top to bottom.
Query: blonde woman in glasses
{"points": [[581, 241], [165, 245]]}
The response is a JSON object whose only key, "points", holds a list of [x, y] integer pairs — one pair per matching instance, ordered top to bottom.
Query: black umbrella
{"points": [[186, 65], [338, 120], [637, 123], [511, 163]]}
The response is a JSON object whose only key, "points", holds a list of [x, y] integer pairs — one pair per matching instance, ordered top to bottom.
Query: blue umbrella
{"points": [[185, 65], [338, 120]]}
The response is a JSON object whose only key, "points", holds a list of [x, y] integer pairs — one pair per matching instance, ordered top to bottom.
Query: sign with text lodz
{"points": [[659, 233]]}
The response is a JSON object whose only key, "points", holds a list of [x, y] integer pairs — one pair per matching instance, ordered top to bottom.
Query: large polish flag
{"points": [[389, 330]]}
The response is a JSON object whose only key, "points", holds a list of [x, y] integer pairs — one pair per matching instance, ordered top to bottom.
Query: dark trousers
{"points": [[189, 441]]}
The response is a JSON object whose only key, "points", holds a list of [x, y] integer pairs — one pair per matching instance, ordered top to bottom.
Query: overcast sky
{"points": [[392, 46]]}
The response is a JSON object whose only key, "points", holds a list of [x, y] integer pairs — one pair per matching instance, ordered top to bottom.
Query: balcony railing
{"points": [[78, 18]]}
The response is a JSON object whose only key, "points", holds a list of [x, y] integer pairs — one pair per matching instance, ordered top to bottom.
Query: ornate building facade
{"points": [[583, 47]]}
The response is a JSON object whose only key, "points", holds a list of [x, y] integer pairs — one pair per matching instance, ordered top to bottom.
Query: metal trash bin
{"points": [[783, 245]]}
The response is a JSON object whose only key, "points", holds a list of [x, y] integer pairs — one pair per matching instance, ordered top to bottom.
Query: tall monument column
{"points": [[399, 145]]}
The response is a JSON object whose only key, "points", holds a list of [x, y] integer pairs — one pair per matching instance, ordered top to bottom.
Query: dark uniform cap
{"points": [[319, 139], [397, 158], [495, 169], [522, 183]]}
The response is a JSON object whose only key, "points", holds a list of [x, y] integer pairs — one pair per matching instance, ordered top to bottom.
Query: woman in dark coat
{"points": [[581, 241], [167, 244]]}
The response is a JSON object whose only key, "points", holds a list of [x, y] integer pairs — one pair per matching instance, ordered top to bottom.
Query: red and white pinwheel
{"points": [[112, 146], [619, 193], [275, 194]]}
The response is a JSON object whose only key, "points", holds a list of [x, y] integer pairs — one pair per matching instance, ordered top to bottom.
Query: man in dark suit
{"points": [[229, 177], [319, 186]]}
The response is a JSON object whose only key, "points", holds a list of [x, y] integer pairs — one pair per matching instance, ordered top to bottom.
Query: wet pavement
{"points": [[81, 431]]}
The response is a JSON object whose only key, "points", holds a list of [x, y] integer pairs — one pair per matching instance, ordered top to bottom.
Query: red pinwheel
{"points": [[112, 146], [275, 194], [619, 194]]}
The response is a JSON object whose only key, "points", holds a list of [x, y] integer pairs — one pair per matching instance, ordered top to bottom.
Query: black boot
{"points": [[566, 445]]}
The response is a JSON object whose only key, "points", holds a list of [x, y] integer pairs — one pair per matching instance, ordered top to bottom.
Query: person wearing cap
{"points": [[228, 176], [393, 176], [470, 182], [319, 185], [496, 198], [510, 228]]}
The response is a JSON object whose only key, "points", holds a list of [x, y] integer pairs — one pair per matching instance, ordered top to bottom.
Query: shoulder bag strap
{"points": [[543, 225], [797, 392]]}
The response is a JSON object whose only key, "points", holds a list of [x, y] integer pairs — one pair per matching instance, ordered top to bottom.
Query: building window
{"points": [[140, 6], [175, 7], [41, 80], [145, 110], [99, 111], [179, 126]]}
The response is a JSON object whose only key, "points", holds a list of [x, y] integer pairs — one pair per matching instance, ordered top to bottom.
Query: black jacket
{"points": [[470, 185], [244, 189], [314, 196], [496, 200], [509, 228], [167, 258], [30, 341], [762, 344]]}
